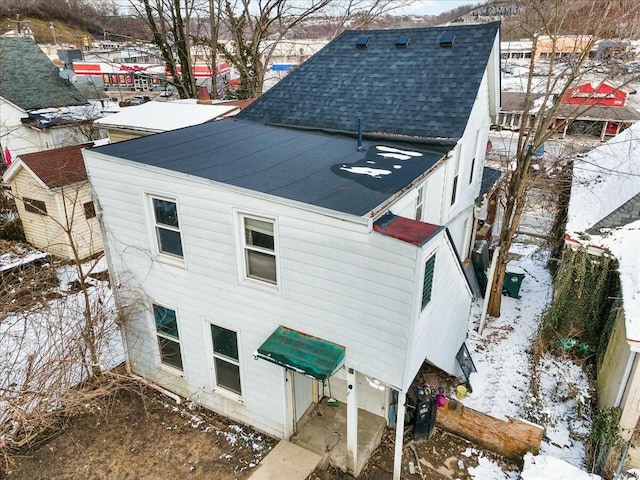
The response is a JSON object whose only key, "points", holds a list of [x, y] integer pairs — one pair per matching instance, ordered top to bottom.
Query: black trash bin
{"points": [[512, 281], [425, 420]]}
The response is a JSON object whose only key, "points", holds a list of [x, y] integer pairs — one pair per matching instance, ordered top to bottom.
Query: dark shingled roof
{"points": [[29, 80], [424, 90], [58, 167], [324, 170], [490, 177], [625, 214]]}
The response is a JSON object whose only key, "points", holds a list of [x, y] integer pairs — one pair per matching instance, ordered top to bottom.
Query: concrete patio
{"points": [[323, 430]]}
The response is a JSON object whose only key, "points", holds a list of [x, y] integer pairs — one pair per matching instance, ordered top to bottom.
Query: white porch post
{"points": [[352, 420], [397, 455]]}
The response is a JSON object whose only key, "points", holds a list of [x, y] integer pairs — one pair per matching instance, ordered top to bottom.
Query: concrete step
{"points": [[287, 462], [324, 462]]}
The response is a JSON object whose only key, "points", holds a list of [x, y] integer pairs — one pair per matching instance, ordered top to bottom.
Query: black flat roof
{"points": [[323, 170]]}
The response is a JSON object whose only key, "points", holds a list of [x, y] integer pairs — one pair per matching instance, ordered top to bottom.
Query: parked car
{"points": [[168, 92], [139, 100]]}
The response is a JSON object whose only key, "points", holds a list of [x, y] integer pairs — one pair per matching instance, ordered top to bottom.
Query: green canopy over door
{"points": [[303, 353]]}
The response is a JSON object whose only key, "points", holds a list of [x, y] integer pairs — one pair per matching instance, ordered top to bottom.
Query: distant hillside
{"points": [[71, 19]]}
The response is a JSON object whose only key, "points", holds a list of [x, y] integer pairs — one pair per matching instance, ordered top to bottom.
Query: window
{"points": [[475, 155], [456, 170], [419, 203], [35, 206], [89, 210], [167, 228], [259, 249], [428, 280], [168, 337], [225, 358]]}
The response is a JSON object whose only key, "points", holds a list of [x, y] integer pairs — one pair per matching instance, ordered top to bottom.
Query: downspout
{"points": [[625, 379]]}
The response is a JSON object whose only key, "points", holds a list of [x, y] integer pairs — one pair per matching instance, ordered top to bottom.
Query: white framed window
{"points": [[456, 171], [420, 203], [166, 226], [259, 249], [166, 322], [226, 359]]}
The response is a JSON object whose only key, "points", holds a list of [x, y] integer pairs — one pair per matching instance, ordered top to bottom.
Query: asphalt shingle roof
{"points": [[29, 80], [424, 90], [58, 167], [324, 170], [625, 214]]}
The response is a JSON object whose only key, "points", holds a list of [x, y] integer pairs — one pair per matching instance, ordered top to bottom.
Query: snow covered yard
{"points": [[47, 345], [513, 381]]}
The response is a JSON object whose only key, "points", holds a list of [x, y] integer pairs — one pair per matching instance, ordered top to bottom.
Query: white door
{"points": [[303, 394]]}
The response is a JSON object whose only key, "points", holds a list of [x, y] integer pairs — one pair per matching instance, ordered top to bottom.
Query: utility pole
{"points": [[18, 23], [53, 31]]}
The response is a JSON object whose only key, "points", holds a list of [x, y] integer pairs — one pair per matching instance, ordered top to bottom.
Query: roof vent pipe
{"points": [[360, 129]]}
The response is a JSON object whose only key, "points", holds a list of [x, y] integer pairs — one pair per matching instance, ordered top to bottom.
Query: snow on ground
{"points": [[34, 343], [502, 353], [502, 386]]}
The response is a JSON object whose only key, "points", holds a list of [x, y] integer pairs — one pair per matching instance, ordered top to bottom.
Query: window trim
{"points": [[31, 207], [243, 248], [166, 257], [157, 334], [211, 359]]}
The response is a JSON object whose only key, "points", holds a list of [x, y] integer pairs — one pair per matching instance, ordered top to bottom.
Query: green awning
{"points": [[305, 354]]}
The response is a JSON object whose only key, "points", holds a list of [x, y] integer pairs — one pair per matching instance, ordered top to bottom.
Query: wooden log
{"points": [[512, 438]]}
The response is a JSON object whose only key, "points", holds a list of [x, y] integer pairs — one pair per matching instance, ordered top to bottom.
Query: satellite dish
{"points": [[57, 62], [66, 73]]}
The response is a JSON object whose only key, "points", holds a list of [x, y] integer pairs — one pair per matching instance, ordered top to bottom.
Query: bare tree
{"points": [[547, 18], [170, 24], [257, 27], [58, 333]]}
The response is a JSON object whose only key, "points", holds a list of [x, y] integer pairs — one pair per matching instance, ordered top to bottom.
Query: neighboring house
{"points": [[512, 107], [588, 109], [39, 110], [155, 117], [53, 198], [604, 217], [332, 252]]}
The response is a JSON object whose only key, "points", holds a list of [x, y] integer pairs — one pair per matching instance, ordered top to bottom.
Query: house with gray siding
{"points": [[312, 245]]}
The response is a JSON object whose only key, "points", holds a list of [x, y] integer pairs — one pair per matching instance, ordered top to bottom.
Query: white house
{"points": [[39, 110], [604, 218], [267, 258]]}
